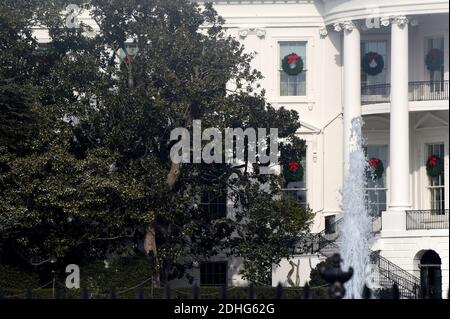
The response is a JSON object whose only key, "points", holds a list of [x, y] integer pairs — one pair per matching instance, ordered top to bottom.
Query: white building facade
{"points": [[404, 107]]}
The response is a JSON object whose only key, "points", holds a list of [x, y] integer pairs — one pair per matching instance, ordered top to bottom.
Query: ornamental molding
{"points": [[340, 10], [401, 20], [385, 21], [346, 25], [337, 27], [323, 31], [260, 33]]}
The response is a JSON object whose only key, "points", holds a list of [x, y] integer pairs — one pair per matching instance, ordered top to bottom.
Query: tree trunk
{"points": [[150, 234], [150, 246]]}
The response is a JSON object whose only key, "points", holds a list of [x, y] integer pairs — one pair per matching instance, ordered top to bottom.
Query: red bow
{"points": [[372, 56], [293, 58], [128, 59], [432, 160], [373, 162], [293, 166]]}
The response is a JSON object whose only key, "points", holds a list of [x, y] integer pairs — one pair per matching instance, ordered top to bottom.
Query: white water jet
{"points": [[356, 227]]}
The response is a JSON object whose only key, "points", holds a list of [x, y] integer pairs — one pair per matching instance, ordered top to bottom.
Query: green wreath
{"points": [[434, 59], [367, 60], [292, 64], [435, 166], [375, 169], [293, 172]]}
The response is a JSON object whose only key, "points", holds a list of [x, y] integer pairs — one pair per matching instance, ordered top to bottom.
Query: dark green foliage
{"points": [[84, 150], [17, 279]]}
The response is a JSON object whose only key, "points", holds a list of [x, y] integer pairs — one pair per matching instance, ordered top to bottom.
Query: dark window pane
{"points": [[329, 224], [213, 273]]}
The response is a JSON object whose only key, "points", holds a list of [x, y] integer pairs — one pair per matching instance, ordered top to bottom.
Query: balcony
{"points": [[418, 91], [426, 219]]}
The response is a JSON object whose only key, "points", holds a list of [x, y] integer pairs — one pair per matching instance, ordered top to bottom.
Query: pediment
{"points": [[429, 120], [306, 128]]}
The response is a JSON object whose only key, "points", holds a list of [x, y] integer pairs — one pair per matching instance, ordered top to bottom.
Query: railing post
{"points": [[195, 291], [251, 291], [279, 291], [306, 291], [167, 292], [223, 292], [395, 292], [84, 294], [112, 294], [140, 294], [367, 294]]}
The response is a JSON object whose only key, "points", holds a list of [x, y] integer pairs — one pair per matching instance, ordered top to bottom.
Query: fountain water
{"points": [[356, 227]]}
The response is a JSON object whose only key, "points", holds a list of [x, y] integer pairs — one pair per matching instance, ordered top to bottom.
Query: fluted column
{"points": [[352, 83], [399, 123]]}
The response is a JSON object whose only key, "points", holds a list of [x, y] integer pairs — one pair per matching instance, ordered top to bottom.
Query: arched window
{"points": [[430, 275]]}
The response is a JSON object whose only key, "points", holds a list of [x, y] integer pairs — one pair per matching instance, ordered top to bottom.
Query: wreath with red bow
{"points": [[434, 59], [292, 64], [368, 67], [435, 166], [376, 168], [293, 172]]}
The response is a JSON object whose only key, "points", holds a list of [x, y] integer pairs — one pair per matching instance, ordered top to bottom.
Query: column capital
{"points": [[401, 20], [385, 21], [346, 25], [349, 25], [337, 27]]}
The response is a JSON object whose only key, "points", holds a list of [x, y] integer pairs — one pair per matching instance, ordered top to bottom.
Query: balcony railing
{"points": [[418, 91], [426, 219]]}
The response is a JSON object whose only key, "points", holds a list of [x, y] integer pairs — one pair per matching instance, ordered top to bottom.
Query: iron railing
{"points": [[418, 91], [427, 219], [389, 274]]}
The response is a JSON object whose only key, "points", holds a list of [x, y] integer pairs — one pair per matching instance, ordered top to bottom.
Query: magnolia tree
{"points": [[85, 171]]}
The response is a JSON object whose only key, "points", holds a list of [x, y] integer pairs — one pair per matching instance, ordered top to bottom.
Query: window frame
{"points": [[309, 40], [386, 68], [428, 73], [429, 137], [386, 176], [306, 178], [430, 188], [207, 205], [213, 284]]}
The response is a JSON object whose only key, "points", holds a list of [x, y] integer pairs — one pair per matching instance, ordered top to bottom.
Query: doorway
{"points": [[430, 275]]}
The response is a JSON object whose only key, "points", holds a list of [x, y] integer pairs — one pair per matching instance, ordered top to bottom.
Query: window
{"points": [[379, 47], [127, 55], [436, 77], [293, 85], [436, 184], [376, 188], [296, 189], [214, 204], [330, 227], [213, 273]]}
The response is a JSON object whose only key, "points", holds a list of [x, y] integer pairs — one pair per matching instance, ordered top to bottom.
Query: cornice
{"points": [[339, 10]]}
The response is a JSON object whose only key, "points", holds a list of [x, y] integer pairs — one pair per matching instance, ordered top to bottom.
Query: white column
{"points": [[352, 83], [399, 124]]}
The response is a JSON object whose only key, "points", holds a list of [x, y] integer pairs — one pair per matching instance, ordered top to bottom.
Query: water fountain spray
{"points": [[356, 227]]}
